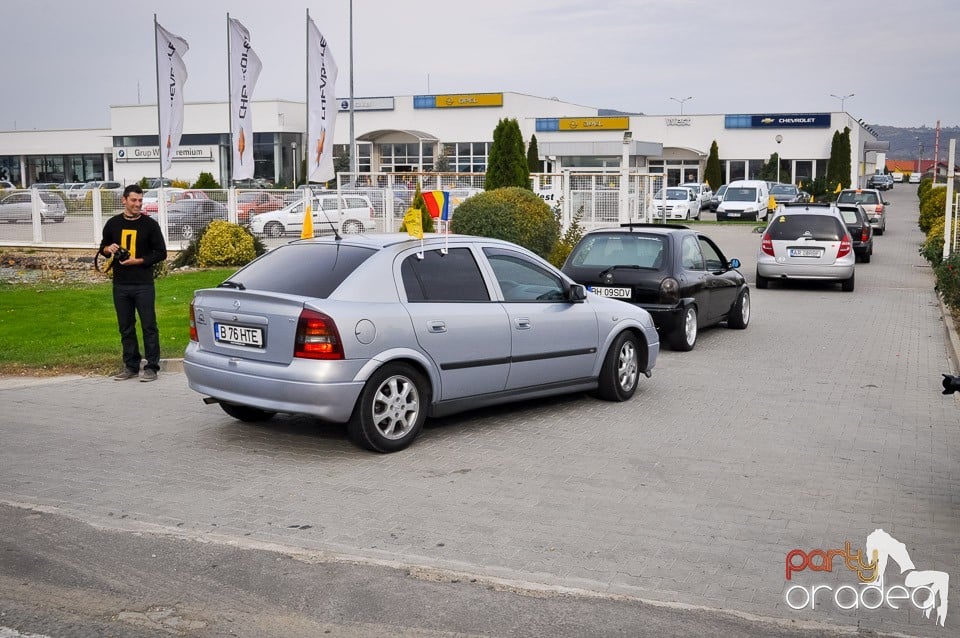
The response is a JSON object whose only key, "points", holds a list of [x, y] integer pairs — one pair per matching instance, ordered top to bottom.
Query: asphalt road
{"points": [[670, 514]]}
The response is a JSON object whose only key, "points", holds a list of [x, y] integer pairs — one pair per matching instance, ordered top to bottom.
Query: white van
{"points": [[745, 199]]}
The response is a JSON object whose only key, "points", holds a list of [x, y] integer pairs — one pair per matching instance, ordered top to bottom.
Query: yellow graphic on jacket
{"points": [[128, 240]]}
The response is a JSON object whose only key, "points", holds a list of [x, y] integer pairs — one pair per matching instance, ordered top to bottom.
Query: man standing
{"points": [[133, 291]]}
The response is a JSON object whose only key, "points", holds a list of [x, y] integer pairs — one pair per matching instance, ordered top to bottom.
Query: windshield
{"points": [[783, 189], [674, 193], [740, 195], [853, 197], [817, 227], [620, 249], [311, 270]]}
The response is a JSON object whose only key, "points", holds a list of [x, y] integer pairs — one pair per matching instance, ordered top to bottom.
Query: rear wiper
{"points": [[617, 266], [232, 284]]}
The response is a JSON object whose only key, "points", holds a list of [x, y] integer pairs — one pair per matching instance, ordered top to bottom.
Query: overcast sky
{"points": [[67, 62]]}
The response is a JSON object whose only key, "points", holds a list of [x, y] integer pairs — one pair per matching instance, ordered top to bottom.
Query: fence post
{"points": [[948, 207], [35, 215], [232, 215]]}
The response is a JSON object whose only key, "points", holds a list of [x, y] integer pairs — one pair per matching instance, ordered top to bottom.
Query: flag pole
{"points": [[156, 60], [229, 105], [306, 145]]}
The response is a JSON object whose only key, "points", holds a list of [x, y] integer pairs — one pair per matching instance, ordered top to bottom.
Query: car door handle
{"points": [[523, 323], [436, 326]]}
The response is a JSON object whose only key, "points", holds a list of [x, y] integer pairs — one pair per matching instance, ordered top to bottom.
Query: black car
{"points": [[880, 182], [785, 193], [189, 216], [861, 231], [680, 276]]}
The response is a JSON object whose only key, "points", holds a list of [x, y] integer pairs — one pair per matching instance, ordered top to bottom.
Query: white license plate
{"points": [[733, 214], [806, 252], [607, 291], [238, 335]]}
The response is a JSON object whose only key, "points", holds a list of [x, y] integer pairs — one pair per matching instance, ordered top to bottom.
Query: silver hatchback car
{"points": [[806, 241], [380, 331]]}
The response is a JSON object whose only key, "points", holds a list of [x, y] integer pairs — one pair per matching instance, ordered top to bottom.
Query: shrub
{"points": [[206, 181], [179, 183], [925, 186], [932, 207], [513, 214], [569, 238], [225, 244], [932, 248], [948, 280]]}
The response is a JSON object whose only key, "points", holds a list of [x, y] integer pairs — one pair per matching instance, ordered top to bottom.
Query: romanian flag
{"points": [[438, 204], [413, 222], [307, 232]]}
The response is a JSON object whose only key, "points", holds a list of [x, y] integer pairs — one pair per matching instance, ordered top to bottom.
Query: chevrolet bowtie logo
{"points": [[767, 120]]}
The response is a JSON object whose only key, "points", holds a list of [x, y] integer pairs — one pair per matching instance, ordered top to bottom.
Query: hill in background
{"points": [[904, 143]]}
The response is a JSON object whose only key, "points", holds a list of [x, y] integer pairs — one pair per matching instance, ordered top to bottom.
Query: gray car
{"points": [[19, 207], [806, 241], [380, 331]]}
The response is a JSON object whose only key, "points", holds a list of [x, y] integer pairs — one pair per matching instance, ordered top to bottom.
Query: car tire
{"points": [[721, 217], [352, 227], [882, 228], [273, 229], [187, 231], [865, 257], [762, 282], [847, 284], [739, 316], [684, 338], [620, 373], [391, 409], [246, 413]]}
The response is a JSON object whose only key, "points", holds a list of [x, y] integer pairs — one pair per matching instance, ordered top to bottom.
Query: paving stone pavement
{"points": [[818, 424]]}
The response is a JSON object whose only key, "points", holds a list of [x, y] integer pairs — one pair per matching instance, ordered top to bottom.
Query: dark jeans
{"points": [[129, 299]]}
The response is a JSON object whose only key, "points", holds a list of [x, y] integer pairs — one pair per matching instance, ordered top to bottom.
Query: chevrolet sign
{"points": [[791, 120]]}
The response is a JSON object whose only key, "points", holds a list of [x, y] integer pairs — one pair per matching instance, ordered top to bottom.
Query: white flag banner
{"points": [[245, 68], [171, 76], [321, 87]]}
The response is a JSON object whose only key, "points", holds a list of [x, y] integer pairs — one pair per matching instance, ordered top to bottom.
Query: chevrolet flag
{"points": [[245, 69], [171, 76], [321, 105], [413, 221]]}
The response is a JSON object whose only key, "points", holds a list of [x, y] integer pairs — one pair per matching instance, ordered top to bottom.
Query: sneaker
{"points": [[125, 374], [148, 375]]}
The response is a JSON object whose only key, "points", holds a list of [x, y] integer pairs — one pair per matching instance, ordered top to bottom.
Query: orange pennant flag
{"points": [[307, 232]]}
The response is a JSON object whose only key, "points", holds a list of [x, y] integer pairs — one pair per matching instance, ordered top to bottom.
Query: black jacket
{"points": [[142, 237]]}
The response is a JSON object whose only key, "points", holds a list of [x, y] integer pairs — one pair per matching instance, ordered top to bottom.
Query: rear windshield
{"points": [[783, 189], [740, 195], [853, 197], [849, 215], [818, 227], [619, 249], [309, 270]]}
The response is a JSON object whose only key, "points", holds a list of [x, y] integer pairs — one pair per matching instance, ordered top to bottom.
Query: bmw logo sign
{"points": [[345, 105], [122, 153]]}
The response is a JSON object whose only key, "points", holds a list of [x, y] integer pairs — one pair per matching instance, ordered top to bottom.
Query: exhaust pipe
{"points": [[210, 400]]}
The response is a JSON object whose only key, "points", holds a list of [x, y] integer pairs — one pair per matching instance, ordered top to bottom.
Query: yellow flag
{"points": [[800, 186], [839, 188], [772, 203], [414, 222], [307, 232]]}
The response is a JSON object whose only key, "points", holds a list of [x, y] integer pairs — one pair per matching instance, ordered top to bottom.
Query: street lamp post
{"points": [[842, 98], [681, 100], [779, 139], [919, 152], [293, 155]]}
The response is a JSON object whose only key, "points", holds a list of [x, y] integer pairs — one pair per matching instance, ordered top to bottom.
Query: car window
{"points": [[740, 195], [19, 198], [356, 202], [329, 203], [849, 215], [819, 227], [623, 249], [690, 256], [712, 256], [309, 270], [437, 277], [522, 280]]}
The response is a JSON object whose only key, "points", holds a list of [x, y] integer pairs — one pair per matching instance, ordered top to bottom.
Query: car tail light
{"points": [[878, 209], [864, 235], [766, 244], [845, 247], [669, 290], [193, 324], [317, 337]]}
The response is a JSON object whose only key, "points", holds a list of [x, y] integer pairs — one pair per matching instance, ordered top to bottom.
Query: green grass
{"points": [[50, 328]]}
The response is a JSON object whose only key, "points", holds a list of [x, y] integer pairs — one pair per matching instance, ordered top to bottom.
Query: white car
{"points": [[915, 178], [703, 192], [681, 203], [347, 214]]}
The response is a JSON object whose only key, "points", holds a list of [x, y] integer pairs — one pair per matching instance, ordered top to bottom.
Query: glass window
{"points": [[818, 227], [634, 249], [712, 255], [690, 256], [310, 270], [438, 277], [523, 280]]}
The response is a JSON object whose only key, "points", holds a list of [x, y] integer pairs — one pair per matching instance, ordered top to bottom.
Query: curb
{"points": [[953, 338], [171, 365]]}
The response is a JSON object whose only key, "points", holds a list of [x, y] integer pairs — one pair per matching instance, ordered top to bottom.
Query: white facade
{"points": [[408, 133]]}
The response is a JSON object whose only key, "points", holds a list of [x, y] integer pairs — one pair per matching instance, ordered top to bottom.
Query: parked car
{"points": [[897, 177], [915, 178], [880, 181], [5, 185], [703, 192], [785, 193], [717, 197], [151, 199], [745, 199], [255, 202], [872, 202], [681, 203], [18, 207], [349, 214], [187, 217], [860, 229], [806, 241], [680, 276], [380, 331]]}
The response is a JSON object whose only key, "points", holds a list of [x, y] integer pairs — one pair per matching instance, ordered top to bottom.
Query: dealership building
{"points": [[421, 133]]}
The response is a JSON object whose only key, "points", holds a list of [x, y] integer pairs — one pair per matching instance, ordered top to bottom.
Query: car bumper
{"points": [[834, 272], [666, 317], [302, 387]]}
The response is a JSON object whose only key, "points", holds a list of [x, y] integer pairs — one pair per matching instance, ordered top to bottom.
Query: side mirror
{"points": [[734, 263], [577, 293]]}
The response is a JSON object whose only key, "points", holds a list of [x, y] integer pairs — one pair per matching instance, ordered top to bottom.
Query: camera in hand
{"points": [[122, 254]]}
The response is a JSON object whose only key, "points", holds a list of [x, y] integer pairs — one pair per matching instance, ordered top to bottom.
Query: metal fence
{"points": [[75, 219]]}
